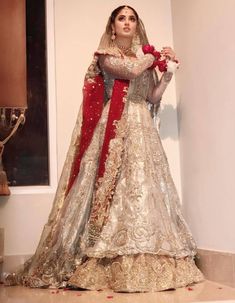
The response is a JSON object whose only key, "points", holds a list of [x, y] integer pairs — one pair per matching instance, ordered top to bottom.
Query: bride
{"points": [[116, 220]]}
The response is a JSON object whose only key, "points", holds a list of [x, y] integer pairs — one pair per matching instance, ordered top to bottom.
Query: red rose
{"points": [[148, 49], [157, 54], [162, 65]]}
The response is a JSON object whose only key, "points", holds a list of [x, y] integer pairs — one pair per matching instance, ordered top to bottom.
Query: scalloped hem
{"points": [[136, 273]]}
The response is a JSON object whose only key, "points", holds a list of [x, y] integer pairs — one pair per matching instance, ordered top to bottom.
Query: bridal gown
{"points": [[143, 243]]}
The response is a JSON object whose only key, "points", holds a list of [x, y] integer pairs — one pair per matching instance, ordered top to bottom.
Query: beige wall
{"points": [[78, 28], [204, 40], [22, 217]]}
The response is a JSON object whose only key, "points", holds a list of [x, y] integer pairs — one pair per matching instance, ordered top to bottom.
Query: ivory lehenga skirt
{"points": [[144, 243]]}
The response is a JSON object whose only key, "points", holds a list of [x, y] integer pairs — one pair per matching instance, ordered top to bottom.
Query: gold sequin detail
{"points": [[136, 273]]}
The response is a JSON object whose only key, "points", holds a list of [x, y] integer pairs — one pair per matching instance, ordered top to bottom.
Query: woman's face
{"points": [[125, 24]]}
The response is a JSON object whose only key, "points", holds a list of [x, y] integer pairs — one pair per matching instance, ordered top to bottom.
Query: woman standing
{"points": [[116, 220]]}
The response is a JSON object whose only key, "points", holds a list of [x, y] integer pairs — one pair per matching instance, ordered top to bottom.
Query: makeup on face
{"points": [[125, 23]]}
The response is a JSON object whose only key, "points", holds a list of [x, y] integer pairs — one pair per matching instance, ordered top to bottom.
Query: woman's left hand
{"points": [[168, 53]]}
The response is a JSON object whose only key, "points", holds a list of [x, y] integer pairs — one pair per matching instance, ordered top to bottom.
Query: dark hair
{"points": [[118, 9]]}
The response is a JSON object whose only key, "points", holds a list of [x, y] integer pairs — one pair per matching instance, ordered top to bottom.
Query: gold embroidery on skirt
{"points": [[106, 185]]}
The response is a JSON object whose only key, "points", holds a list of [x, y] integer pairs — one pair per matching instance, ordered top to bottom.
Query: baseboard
{"points": [[13, 263], [217, 266]]}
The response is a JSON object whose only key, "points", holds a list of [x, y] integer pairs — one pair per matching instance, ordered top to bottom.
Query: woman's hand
{"points": [[168, 53]]}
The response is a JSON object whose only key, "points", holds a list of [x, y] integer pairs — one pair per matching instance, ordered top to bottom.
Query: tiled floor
{"points": [[203, 292]]}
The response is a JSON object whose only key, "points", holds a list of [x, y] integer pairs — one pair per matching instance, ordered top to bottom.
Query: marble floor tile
{"points": [[205, 292]]}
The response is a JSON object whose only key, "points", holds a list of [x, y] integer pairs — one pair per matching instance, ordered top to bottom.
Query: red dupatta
{"points": [[93, 100]]}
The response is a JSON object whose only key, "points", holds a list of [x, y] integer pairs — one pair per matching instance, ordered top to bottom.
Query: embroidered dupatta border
{"points": [[93, 100]]}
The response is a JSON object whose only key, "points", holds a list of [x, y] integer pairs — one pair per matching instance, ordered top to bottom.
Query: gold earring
{"points": [[113, 37]]}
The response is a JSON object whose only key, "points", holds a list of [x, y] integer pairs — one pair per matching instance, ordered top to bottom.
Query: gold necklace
{"points": [[125, 50]]}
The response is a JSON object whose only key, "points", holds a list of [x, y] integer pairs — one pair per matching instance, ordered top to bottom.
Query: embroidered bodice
{"points": [[133, 69]]}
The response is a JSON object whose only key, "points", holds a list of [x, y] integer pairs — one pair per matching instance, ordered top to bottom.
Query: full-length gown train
{"points": [[142, 242]]}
